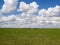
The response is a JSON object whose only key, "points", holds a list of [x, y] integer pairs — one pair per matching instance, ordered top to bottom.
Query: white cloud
{"points": [[9, 6], [23, 6], [28, 8], [33, 8], [42, 12], [51, 12], [0, 16], [28, 17], [8, 18]]}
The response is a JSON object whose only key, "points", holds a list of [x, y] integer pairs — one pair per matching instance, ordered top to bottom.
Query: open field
{"points": [[16, 36]]}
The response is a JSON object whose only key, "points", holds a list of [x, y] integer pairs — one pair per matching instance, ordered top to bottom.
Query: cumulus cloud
{"points": [[9, 6], [28, 8], [51, 12], [0, 16], [31, 16], [8, 18]]}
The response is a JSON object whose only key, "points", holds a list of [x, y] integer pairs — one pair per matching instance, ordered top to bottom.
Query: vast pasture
{"points": [[28, 36]]}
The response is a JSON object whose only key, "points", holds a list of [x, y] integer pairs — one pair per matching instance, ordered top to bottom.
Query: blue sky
{"points": [[42, 3]]}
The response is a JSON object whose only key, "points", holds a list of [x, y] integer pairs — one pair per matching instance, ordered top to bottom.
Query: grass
{"points": [[19, 36]]}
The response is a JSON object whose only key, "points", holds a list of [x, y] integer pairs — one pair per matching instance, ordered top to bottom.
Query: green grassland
{"points": [[28, 36]]}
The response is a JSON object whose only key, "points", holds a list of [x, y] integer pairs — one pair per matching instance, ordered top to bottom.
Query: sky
{"points": [[43, 3], [30, 13]]}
